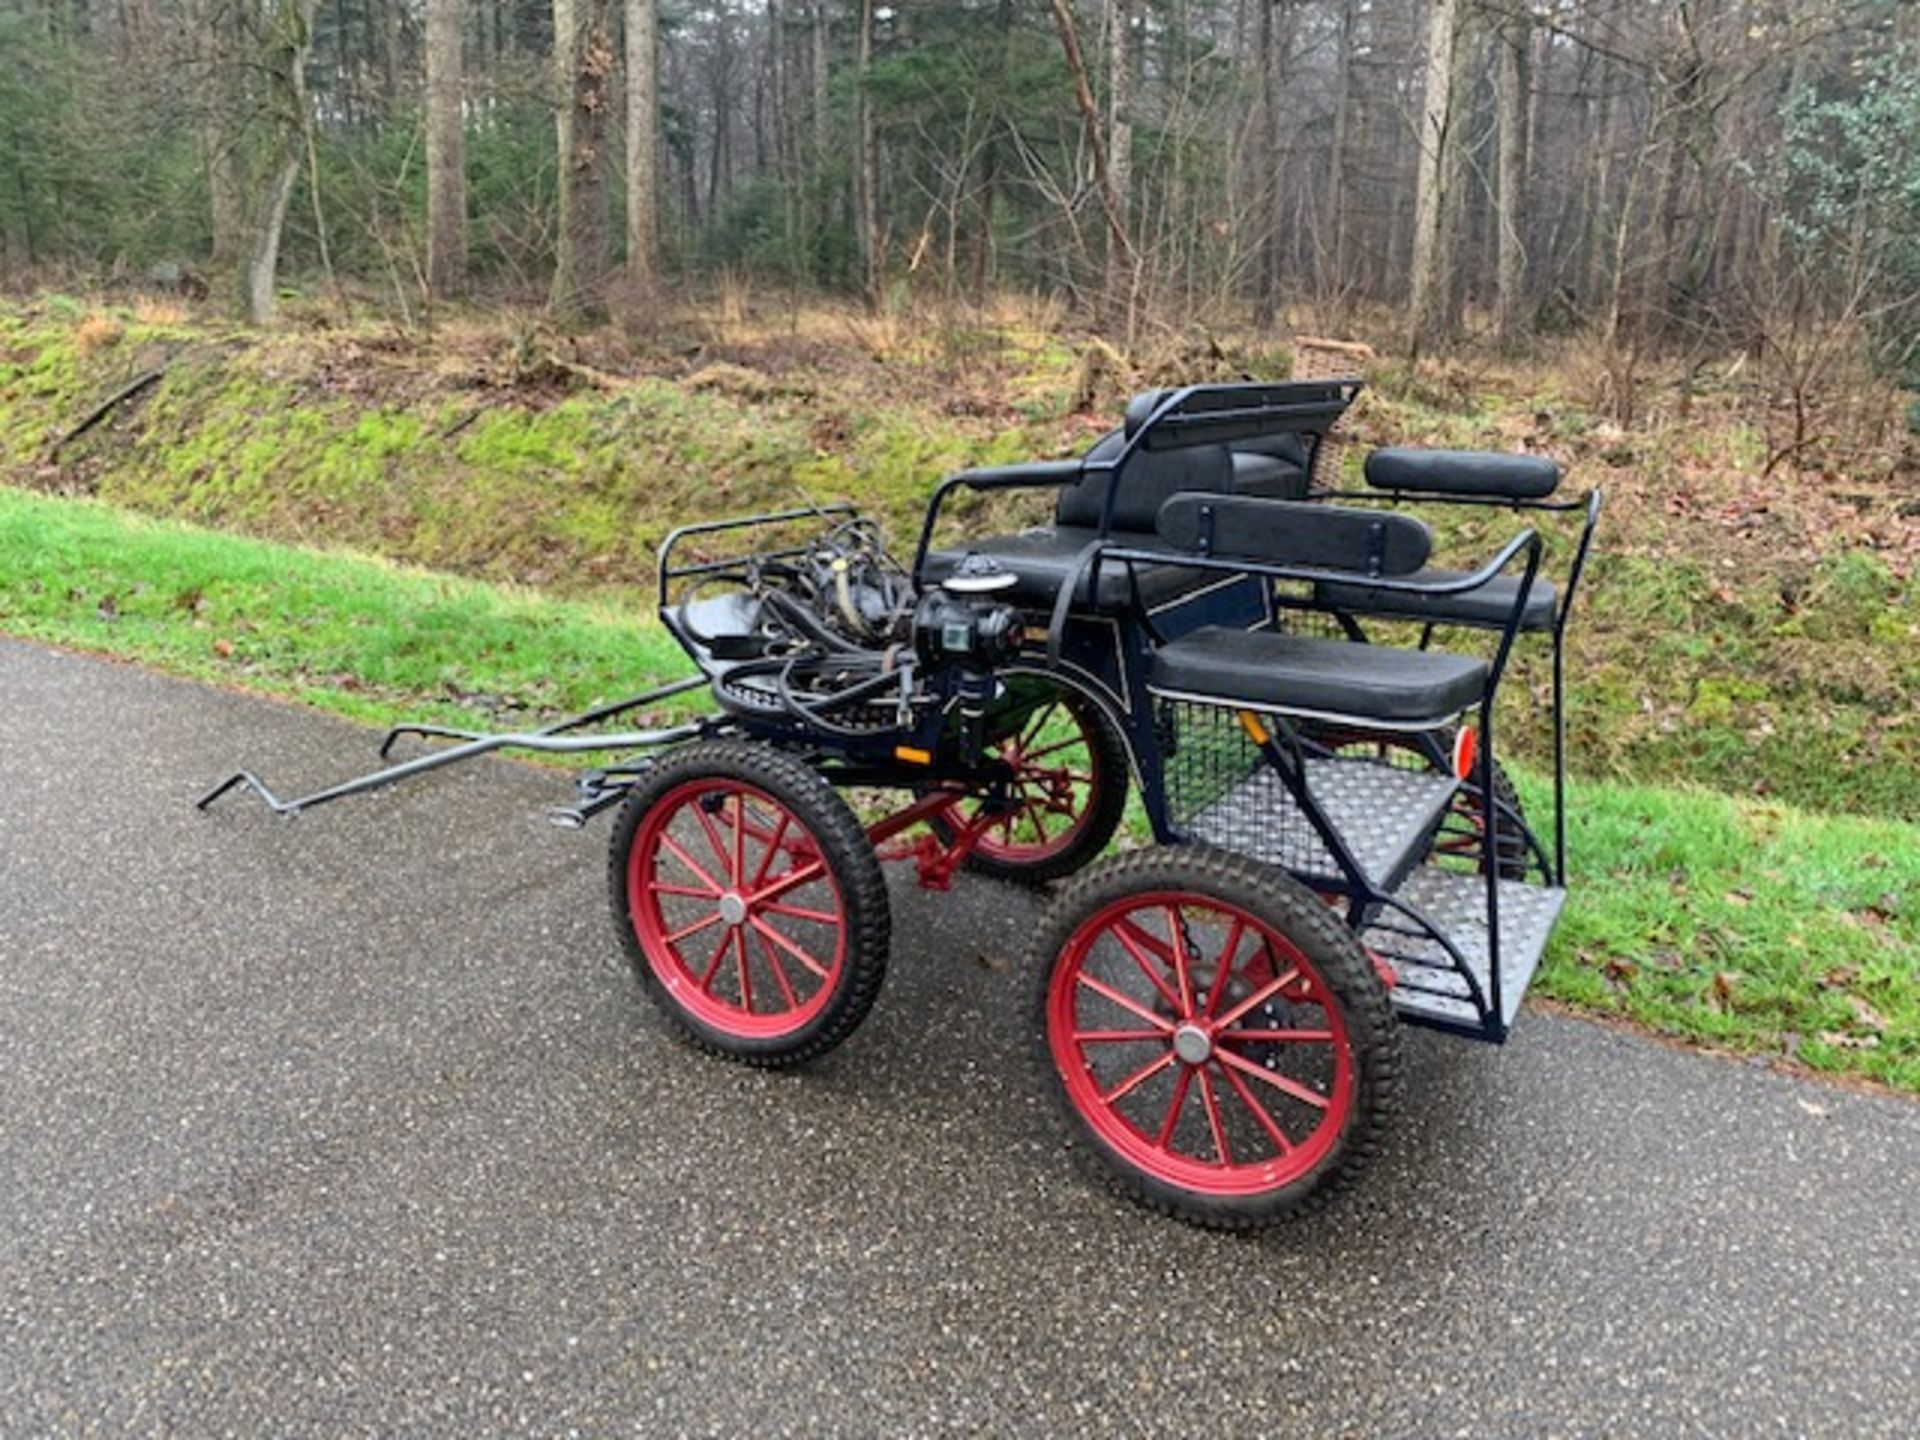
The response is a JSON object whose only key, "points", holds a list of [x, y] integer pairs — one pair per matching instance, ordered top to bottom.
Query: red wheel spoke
{"points": [[1035, 726], [1053, 748], [713, 833], [740, 844], [773, 849], [792, 880], [662, 887], [714, 887], [801, 912], [675, 937], [1152, 944], [787, 945], [1135, 952], [713, 962], [779, 972], [1223, 972], [1181, 974], [746, 981], [1259, 997], [1125, 1002], [1115, 1037], [1277, 1037], [1138, 1078], [1279, 1082], [1213, 1119], [1171, 1120], [1274, 1133]]}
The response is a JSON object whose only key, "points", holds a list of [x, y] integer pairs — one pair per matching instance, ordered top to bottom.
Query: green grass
{"points": [[358, 636], [1751, 926]]}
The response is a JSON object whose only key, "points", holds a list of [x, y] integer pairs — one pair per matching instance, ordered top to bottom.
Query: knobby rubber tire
{"points": [[847, 853], [1295, 912]]}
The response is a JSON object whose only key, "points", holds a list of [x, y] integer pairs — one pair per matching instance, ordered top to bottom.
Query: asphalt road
{"points": [[355, 1124]]}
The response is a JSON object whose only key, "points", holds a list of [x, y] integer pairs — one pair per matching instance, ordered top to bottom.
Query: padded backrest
{"points": [[1463, 472], [1146, 480], [1298, 533]]}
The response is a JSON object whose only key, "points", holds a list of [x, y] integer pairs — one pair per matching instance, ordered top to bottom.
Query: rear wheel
{"points": [[1069, 790], [1463, 831], [750, 902], [1224, 1048]]}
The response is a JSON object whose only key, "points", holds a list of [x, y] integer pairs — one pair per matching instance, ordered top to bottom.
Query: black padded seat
{"points": [[1272, 477], [1040, 561], [1486, 607], [1263, 669]]}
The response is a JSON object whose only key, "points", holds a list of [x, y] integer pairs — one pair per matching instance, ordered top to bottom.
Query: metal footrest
{"points": [[1386, 814], [1431, 987]]}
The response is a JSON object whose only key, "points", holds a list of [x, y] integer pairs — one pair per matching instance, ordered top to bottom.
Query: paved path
{"points": [[353, 1124]]}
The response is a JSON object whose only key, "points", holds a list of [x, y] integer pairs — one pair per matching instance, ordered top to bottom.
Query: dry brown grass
{"points": [[97, 332]]}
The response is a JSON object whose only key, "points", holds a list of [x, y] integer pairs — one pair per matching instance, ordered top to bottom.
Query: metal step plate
{"points": [[1385, 813], [1431, 987]]}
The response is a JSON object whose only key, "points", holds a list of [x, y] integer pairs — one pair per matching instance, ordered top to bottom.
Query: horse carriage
{"points": [[1236, 664]]}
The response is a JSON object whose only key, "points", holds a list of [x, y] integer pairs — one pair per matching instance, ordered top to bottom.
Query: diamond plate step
{"points": [[1385, 813], [1431, 987]]}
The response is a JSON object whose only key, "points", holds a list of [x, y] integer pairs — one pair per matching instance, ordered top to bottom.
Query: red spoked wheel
{"points": [[1069, 790], [750, 903], [1223, 1045]]}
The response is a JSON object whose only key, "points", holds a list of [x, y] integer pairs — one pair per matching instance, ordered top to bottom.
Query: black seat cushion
{"points": [[1462, 472], [1271, 477], [1146, 480], [1040, 561], [1486, 607], [1267, 670]]}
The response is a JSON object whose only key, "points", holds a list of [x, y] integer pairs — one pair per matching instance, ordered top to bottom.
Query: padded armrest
{"points": [[1463, 472], [1033, 473], [1296, 533]]}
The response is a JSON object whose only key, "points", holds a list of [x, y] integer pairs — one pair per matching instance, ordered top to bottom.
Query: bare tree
{"points": [[286, 43], [583, 65], [1513, 93], [643, 143], [446, 150], [866, 185], [1432, 271], [1117, 293]]}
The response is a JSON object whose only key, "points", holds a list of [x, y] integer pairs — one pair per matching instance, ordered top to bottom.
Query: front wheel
{"points": [[750, 902], [1224, 1048]]}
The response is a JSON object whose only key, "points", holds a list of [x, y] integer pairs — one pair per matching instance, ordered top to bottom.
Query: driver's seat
{"points": [[1040, 559]]}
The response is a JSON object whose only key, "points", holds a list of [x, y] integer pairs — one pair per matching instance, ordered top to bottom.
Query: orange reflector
{"points": [[1250, 723], [1466, 750], [912, 755]]}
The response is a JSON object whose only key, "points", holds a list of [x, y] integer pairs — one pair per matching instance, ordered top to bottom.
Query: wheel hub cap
{"points": [[733, 909], [1191, 1044]]}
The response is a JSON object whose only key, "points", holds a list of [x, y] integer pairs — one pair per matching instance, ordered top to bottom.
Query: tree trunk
{"points": [[289, 41], [583, 65], [1511, 107], [1090, 120], [643, 144], [446, 151], [990, 154], [866, 197], [1337, 269], [1432, 269], [260, 280], [1117, 291]]}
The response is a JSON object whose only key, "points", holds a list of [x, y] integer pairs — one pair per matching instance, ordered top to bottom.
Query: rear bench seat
{"points": [[1443, 473], [1269, 670]]}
